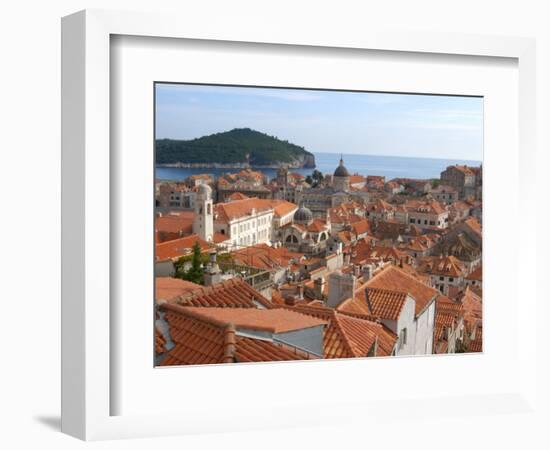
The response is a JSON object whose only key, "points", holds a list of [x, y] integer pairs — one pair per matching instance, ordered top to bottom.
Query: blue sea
{"points": [[389, 166]]}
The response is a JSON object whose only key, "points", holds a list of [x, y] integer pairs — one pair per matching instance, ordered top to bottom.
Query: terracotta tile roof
{"points": [[464, 169], [355, 179], [392, 185], [237, 196], [380, 205], [430, 206], [282, 207], [226, 212], [175, 223], [474, 225], [317, 226], [361, 227], [345, 237], [218, 238], [178, 247], [265, 257], [448, 266], [476, 274], [395, 279], [167, 288], [233, 293], [382, 303], [472, 304], [448, 315], [277, 320], [349, 336], [196, 341], [199, 341], [160, 342], [476, 345], [255, 350]]}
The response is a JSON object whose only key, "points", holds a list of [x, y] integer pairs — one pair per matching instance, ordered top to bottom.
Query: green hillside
{"points": [[232, 147]]}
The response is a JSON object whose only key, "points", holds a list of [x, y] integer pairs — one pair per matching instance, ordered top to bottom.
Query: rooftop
{"points": [[178, 247], [395, 279], [167, 288], [233, 293], [272, 320], [199, 340]]}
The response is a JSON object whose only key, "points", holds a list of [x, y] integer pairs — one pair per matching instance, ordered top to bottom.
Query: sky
{"points": [[426, 126]]}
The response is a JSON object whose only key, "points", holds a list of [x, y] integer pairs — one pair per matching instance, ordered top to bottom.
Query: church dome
{"points": [[341, 170], [303, 215]]}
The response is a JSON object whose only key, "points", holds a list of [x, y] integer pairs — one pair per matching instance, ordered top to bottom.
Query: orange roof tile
{"points": [[237, 196], [430, 206], [282, 207], [225, 212], [175, 223], [474, 225], [361, 227], [178, 247], [265, 257], [448, 266], [476, 274], [395, 279], [167, 288], [233, 293], [382, 303], [472, 304], [276, 320], [348, 336], [199, 341], [160, 342], [476, 345]]}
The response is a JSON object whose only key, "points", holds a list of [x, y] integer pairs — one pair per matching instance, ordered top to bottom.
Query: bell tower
{"points": [[203, 223]]}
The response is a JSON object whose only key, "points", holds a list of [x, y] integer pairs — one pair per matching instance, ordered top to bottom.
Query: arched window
{"points": [[322, 237], [292, 239]]}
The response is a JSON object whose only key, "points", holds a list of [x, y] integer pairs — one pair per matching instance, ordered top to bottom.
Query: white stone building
{"points": [[244, 222]]}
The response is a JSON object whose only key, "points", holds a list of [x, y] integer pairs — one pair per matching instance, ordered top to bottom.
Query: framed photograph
{"points": [[251, 218]]}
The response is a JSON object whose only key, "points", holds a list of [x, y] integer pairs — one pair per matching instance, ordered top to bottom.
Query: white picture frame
{"points": [[87, 355]]}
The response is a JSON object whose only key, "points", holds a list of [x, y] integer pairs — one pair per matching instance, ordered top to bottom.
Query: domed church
{"points": [[341, 178], [318, 200], [306, 234]]}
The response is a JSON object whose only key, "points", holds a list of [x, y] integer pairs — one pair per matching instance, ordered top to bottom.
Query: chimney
{"points": [[367, 272], [212, 274], [319, 287], [340, 287], [300, 291], [290, 300]]}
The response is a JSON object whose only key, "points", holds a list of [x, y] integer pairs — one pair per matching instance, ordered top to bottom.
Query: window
{"points": [[410, 220], [425, 222], [441, 278], [451, 279], [403, 338]]}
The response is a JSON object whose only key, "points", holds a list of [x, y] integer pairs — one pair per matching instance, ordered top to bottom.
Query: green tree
{"points": [[317, 175], [195, 273]]}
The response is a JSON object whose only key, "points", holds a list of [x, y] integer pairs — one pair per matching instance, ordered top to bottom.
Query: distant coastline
{"points": [[243, 165], [389, 166]]}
